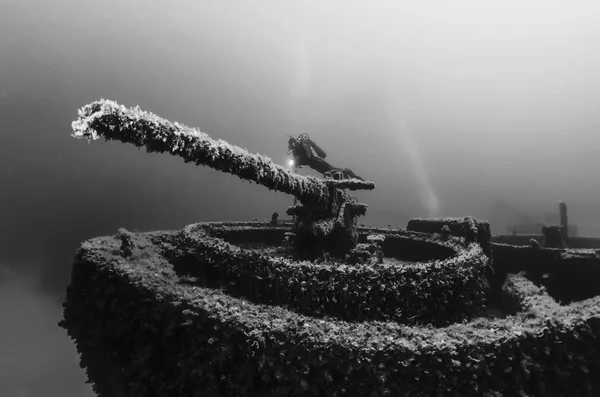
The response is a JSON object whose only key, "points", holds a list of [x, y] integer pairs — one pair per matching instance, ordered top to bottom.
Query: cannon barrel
{"points": [[112, 121]]}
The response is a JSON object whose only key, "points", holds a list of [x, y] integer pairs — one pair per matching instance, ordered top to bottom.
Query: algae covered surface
{"points": [[165, 324]]}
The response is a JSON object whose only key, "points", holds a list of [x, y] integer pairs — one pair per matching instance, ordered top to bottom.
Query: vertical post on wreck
{"points": [[295, 198], [564, 223]]}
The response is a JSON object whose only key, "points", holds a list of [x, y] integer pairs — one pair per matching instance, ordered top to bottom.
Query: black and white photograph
{"points": [[275, 198]]}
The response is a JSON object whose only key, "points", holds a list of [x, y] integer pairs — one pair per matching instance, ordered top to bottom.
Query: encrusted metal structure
{"points": [[326, 217]]}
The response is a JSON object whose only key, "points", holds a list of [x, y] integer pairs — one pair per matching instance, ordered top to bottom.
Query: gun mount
{"points": [[326, 217]]}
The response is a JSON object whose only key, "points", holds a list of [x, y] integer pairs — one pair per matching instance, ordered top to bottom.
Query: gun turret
{"points": [[329, 213]]}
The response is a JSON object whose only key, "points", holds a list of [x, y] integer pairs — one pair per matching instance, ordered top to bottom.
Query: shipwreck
{"points": [[321, 306]]}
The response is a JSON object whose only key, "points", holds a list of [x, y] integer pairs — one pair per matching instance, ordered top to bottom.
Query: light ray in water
{"points": [[302, 76], [405, 139]]}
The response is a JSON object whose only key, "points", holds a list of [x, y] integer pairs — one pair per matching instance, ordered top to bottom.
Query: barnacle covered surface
{"points": [[112, 121], [326, 220], [443, 288], [233, 321]]}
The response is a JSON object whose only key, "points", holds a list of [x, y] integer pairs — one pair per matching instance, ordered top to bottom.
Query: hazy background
{"points": [[447, 106]]}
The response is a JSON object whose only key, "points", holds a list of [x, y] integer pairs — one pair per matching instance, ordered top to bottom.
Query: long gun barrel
{"points": [[144, 129]]}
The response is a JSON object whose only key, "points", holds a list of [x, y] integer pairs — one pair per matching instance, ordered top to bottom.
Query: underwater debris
{"points": [[553, 237], [126, 242]]}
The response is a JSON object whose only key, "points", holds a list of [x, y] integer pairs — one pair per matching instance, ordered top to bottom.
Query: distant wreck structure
{"points": [[523, 223], [561, 234], [320, 306]]}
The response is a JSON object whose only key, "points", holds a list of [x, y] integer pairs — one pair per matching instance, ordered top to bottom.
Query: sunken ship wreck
{"points": [[321, 306]]}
